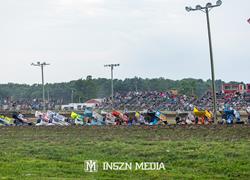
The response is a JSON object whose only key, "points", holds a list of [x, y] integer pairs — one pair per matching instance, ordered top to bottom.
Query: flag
{"points": [[248, 20]]}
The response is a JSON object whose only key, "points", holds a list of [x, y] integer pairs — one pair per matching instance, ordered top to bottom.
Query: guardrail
{"points": [[29, 114]]}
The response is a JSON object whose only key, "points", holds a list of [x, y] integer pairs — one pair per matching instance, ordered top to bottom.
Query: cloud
{"points": [[150, 38]]}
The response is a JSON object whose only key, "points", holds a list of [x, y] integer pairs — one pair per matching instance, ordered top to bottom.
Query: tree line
{"points": [[88, 88]]}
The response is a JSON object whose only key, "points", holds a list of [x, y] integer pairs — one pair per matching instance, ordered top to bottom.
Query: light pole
{"points": [[206, 9], [42, 66], [112, 79], [48, 96], [72, 96]]}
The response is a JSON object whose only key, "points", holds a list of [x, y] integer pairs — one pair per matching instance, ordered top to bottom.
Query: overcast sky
{"points": [[149, 38]]}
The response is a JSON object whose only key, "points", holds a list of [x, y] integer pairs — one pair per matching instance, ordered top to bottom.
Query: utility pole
{"points": [[206, 9], [42, 69], [112, 79], [136, 87], [48, 96], [72, 96]]}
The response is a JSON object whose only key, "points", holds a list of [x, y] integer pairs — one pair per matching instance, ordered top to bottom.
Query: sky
{"points": [[149, 38]]}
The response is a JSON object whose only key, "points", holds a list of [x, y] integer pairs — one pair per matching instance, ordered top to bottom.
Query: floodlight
{"points": [[219, 2], [209, 5], [198, 7], [188, 9]]}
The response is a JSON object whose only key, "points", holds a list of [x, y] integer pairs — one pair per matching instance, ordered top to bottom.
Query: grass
{"points": [[189, 152]]}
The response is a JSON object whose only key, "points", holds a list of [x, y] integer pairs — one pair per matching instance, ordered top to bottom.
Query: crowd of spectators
{"points": [[139, 101], [167, 101], [34, 104]]}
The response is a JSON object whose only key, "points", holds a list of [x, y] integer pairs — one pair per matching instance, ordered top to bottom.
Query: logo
{"points": [[90, 166]]}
